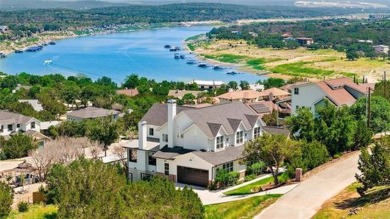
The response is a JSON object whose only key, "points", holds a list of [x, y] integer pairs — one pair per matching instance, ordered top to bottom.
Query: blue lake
{"points": [[120, 54]]}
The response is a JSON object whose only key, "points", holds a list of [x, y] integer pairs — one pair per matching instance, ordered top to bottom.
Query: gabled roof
{"points": [[276, 92], [242, 94], [338, 96], [92, 112], [158, 114], [227, 115], [13, 118], [214, 128], [276, 130], [170, 153], [217, 158]]}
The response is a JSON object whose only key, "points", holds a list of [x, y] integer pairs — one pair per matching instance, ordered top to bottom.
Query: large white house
{"points": [[340, 92], [13, 122], [189, 145]]}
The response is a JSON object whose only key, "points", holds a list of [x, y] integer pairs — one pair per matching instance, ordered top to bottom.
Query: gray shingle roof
{"points": [[260, 108], [92, 112], [158, 114], [228, 115], [10, 118], [170, 153], [225, 156]]}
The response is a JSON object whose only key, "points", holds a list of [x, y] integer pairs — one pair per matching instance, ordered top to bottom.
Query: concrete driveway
{"points": [[307, 198]]}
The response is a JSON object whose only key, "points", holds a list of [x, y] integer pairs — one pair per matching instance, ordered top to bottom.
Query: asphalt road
{"points": [[306, 199]]}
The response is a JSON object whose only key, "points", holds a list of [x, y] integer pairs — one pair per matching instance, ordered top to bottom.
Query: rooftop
{"points": [[208, 83], [128, 92], [276, 92], [241, 94], [36, 105], [92, 112], [11, 118], [150, 145], [170, 153], [218, 158]]}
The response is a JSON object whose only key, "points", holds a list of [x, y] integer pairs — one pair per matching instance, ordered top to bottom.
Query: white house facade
{"points": [[340, 92], [13, 122], [189, 145]]}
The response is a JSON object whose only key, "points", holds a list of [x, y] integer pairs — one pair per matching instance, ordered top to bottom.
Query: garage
{"points": [[192, 176]]}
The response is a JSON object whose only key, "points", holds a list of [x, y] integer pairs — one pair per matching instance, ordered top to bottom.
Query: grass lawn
{"points": [[228, 58], [257, 64], [300, 69], [244, 190], [375, 205], [246, 208], [36, 212]]}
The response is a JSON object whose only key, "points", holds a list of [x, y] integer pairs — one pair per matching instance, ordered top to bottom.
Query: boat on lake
{"points": [[52, 43], [167, 46], [34, 49], [18, 51], [2, 55], [177, 56], [182, 56], [47, 62], [191, 62], [203, 65], [218, 68], [232, 73]]}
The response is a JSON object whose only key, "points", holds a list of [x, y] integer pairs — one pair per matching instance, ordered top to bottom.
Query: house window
{"points": [[296, 91], [296, 107], [33, 125], [18, 126], [10, 127], [1, 128], [151, 131], [256, 132], [165, 137], [239, 137], [219, 142], [133, 156], [152, 160], [228, 166], [166, 169]]}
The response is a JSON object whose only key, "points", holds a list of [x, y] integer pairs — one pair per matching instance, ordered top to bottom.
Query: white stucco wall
{"points": [[308, 95]]}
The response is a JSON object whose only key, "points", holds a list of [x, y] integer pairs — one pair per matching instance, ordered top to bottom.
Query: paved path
{"points": [[214, 197], [307, 198]]}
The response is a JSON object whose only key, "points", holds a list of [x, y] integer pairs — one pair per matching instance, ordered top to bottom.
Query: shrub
{"points": [[18, 146], [314, 154], [250, 177], [226, 178], [283, 178], [6, 197], [23, 207]]}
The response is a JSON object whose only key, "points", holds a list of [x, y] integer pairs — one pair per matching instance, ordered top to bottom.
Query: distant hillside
{"points": [[46, 4]]}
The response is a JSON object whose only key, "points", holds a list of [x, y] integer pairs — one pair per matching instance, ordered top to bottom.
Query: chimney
{"points": [[271, 96], [171, 117], [142, 134]]}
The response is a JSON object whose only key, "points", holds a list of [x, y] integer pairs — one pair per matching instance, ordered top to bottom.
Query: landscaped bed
{"points": [[250, 188], [246, 208]]}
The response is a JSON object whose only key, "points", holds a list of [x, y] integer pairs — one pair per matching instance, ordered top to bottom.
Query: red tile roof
{"points": [[128, 92]]}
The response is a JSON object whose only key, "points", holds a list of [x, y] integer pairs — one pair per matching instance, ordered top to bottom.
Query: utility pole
{"points": [[384, 84], [369, 108]]}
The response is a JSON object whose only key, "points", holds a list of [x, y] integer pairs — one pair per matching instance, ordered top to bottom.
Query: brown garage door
{"points": [[192, 176]]}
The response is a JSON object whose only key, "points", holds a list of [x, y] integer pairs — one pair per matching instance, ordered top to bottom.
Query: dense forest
{"points": [[339, 34]]}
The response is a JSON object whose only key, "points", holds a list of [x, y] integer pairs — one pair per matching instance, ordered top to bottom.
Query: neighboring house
{"points": [[4, 29], [305, 41], [366, 41], [381, 49], [205, 85], [19, 87], [256, 87], [128, 92], [340, 92], [180, 93], [273, 93], [245, 96], [36, 105], [91, 113], [13, 122], [46, 125], [189, 145]]}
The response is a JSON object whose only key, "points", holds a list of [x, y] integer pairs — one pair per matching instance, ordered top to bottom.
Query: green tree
{"points": [[352, 54], [131, 81], [273, 82], [233, 85], [244, 85], [382, 89], [71, 93], [189, 98], [380, 113], [302, 125], [104, 131], [363, 135], [18, 146], [273, 150], [314, 154], [374, 166], [86, 189], [6, 199]]}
